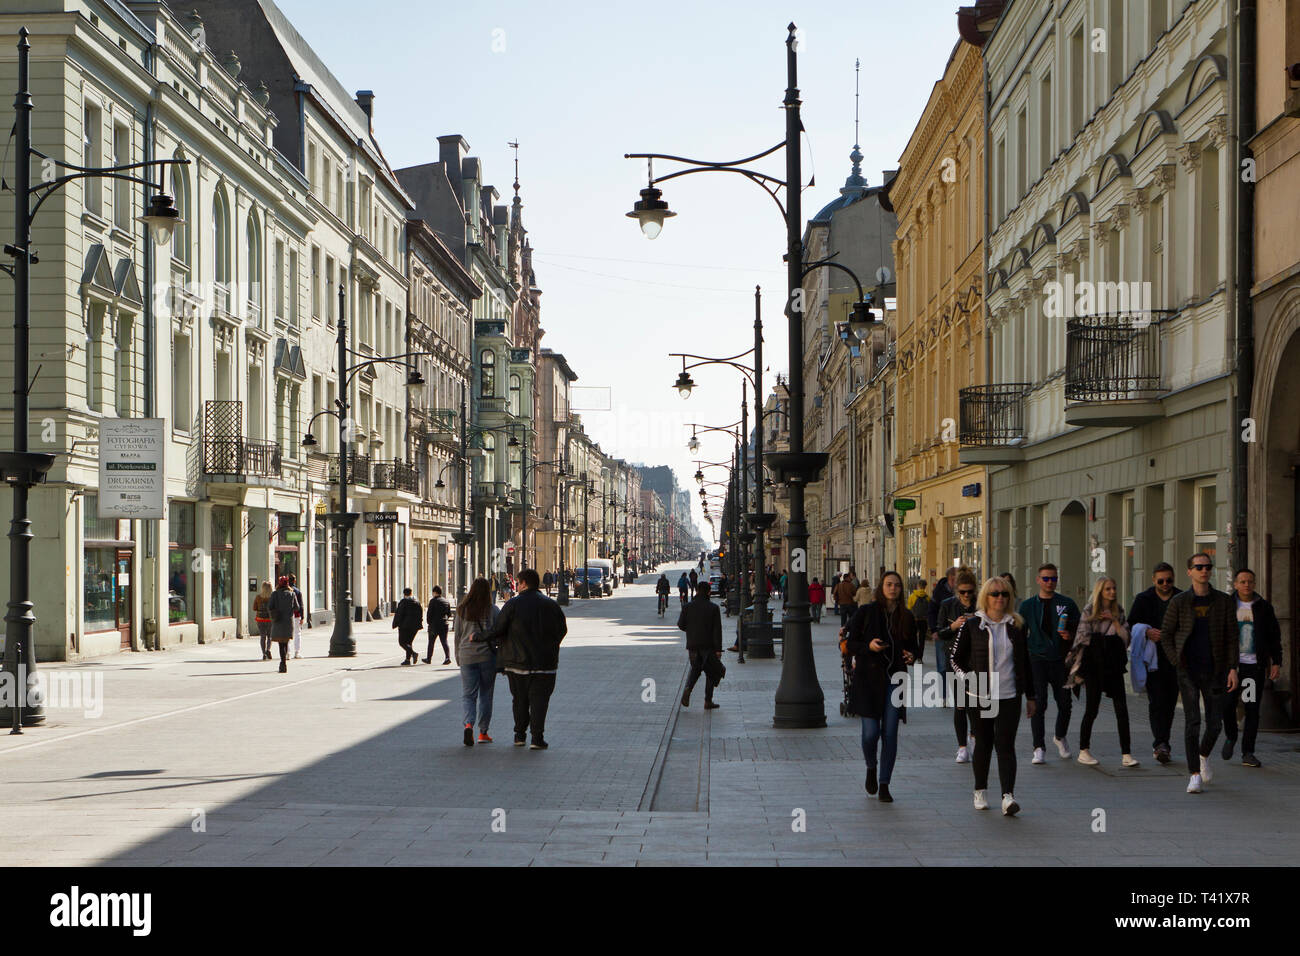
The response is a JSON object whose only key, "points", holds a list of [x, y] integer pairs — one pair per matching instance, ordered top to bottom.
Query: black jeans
{"points": [[434, 636], [406, 639], [699, 663], [1245, 672], [1049, 673], [1093, 689], [1194, 689], [531, 696], [1162, 698], [961, 725], [996, 733]]}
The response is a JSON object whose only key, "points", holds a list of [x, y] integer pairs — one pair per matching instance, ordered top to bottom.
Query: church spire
{"points": [[856, 183]]}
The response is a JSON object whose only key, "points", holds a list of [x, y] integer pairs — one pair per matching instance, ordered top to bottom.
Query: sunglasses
{"points": [[1202, 567], [1051, 580], [1164, 580], [966, 591], [999, 594]]}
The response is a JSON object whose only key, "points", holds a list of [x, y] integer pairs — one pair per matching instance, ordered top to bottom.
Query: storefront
{"points": [[107, 575]]}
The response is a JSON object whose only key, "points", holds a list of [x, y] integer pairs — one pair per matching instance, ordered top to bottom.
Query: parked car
{"points": [[588, 582]]}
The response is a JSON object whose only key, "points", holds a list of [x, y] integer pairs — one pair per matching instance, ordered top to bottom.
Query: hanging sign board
{"points": [[131, 480]]}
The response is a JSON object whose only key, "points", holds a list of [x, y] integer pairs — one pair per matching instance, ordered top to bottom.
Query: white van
{"points": [[607, 572]]}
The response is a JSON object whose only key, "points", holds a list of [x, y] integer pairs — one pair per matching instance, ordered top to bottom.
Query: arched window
{"points": [[181, 233], [220, 239], [253, 272], [488, 375], [515, 395], [489, 457]]}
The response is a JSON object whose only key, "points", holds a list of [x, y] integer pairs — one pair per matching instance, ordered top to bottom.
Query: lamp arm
{"points": [[48, 189], [814, 266]]}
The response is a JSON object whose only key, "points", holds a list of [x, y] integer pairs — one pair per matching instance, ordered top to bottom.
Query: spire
{"points": [[515, 146], [856, 184]]}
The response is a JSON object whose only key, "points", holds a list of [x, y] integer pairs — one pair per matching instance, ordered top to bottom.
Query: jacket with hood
{"points": [[972, 655]]}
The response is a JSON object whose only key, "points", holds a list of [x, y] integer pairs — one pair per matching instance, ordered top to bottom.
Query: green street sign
{"points": [[904, 504], [295, 537]]}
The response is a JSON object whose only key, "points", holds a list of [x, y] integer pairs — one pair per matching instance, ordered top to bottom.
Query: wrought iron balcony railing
{"points": [[1112, 358], [992, 415], [227, 452], [358, 469], [395, 474]]}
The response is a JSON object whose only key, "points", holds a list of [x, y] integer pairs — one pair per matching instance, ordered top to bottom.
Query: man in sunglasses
{"points": [[1149, 608], [1051, 620], [1199, 633]]}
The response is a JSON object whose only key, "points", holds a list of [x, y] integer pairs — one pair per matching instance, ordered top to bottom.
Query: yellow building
{"points": [[939, 198]]}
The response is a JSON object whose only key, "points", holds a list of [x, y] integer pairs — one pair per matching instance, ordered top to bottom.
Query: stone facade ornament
{"points": [[1189, 154]]}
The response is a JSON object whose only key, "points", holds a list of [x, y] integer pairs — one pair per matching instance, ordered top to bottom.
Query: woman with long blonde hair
{"points": [[262, 617], [991, 659], [1099, 660]]}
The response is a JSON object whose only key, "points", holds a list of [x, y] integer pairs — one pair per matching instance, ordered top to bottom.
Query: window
{"points": [[1158, 21], [1115, 44], [1077, 79], [1045, 123], [92, 154], [1022, 154], [313, 177], [1000, 179], [327, 183], [121, 187], [1155, 228], [181, 232], [1208, 233], [221, 240], [253, 275], [279, 281], [315, 282], [293, 288], [329, 290], [94, 329], [124, 380], [487, 383], [295, 401], [181, 413], [282, 416], [489, 458], [1206, 533], [966, 543], [222, 552], [912, 552], [319, 562], [180, 580], [1128, 583]]}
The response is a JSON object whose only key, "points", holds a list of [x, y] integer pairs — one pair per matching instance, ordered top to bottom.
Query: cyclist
{"points": [[683, 585], [662, 588]]}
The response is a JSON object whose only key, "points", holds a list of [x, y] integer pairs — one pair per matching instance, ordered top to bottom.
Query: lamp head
{"points": [[161, 218], [684, 384], [309, 440]]}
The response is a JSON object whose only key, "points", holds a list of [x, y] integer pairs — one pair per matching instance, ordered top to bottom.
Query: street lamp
{"points": [[651, 211], [684, 383], [22, 468]]}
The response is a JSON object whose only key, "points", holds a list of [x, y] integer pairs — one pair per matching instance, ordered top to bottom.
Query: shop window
{"points": [[966, 543], [221, 548], [319, 565], [180, 577]]}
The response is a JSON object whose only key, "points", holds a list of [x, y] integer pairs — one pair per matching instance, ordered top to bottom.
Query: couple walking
{"points": [[279, 616], [407, 621], [522, 639]]}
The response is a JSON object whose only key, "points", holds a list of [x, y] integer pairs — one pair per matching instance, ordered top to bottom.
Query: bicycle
{"points": [[663, 604]]}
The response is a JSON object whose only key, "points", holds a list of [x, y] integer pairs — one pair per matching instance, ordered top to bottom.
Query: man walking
{"points": [[943, 590], [844, 591], [1149, 609], [439, 612], [1051, 620], [406, 621], [702, 623], [529, 630], [1200, 635]]}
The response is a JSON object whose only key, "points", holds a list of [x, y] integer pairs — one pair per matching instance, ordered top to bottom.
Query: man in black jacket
{"points": [[439, 611], [406, 621], [702, 622], [529, 630], [1259, 653], [1162, 683]]}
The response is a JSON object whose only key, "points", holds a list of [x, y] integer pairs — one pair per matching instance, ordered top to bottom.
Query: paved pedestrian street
{"points": [[204, 755]]}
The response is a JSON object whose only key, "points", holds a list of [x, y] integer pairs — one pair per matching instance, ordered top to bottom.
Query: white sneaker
{"points": [[1062, 747], [963, 755], [1039, 756], [1086, 758], [1128, 761], [1206, 773], [1194, 785], [981, 800], [1009, 806]]}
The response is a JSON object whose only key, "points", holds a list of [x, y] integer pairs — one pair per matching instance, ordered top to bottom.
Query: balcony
{"points": [[1112, 371], [441, 424], [992, 427], [227, 454], [358, 469], [395, 474], [490, 493]]}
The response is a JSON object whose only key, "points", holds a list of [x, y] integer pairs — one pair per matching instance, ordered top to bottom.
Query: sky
{"points": [[577, 85]]}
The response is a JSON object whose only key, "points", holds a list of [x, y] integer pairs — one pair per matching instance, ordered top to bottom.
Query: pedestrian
{"points": [[695, 579], [1010, 579], [547, 580], [683, 583], [782, 585], [831, 585], [943, 590], [844, 592], [864, 595], [816, 598], [918, 603], [282, 604], [438, 613], [298, 614], [953, 615], [475, 617], [262, 618], [1145, 618], [407, 621], [702, 622], [1050, 622], [1201, 629], [528, 630], [880, 644], [1259, 655], [991, 660], [1098, 660]]}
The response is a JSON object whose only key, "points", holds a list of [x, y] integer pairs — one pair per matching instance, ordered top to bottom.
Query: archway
{"points": [[1074, 552]]}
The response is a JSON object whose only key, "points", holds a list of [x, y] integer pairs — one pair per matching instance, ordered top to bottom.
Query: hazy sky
{"points": [[578, 85]]}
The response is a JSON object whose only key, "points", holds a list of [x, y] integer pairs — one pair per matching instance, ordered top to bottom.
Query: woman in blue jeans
{"points": [[881, 644], [478, 662]]}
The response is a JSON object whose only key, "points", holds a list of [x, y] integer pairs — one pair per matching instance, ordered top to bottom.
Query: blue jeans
{"points": [[477, 682], [872, 735]]}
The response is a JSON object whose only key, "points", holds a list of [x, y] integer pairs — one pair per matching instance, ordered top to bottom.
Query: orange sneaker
{"points": [[484, 739]]}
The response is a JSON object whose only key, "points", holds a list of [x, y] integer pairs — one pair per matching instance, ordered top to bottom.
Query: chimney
{"points": [[366, 100], [452, 150]]}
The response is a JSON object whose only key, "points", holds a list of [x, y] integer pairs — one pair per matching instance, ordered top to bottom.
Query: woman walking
{"points": [[816, 598], [282, 604], [953, 615], [262, 617], [881, 643], [991, 660], [1099, 660], [477, 661]]}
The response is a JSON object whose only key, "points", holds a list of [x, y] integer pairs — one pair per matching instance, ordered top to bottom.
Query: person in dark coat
{"points": [[282, 606], [439, 611], [954, 613], [407, 621], [702, 622], [529, 630], [881, 645], [1259, 655], [1162, 683]]}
